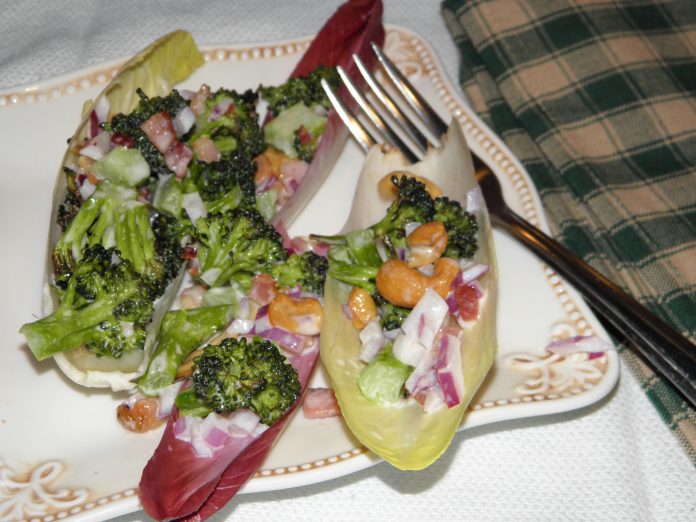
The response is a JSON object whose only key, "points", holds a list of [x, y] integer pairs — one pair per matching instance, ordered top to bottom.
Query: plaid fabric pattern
{"points": [[597, 98]]}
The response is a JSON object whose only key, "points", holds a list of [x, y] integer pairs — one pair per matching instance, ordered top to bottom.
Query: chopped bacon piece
{"points": [[198, 101], [159, 129], [304, 135], [121, 140], [205, 150], [177, 158], [291, 172], [189, 252], [263, 289], [467, 300], [320, 403], [141, 416]]}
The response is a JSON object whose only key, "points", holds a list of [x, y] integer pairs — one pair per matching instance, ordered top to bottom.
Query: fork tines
{"points": [[415, 143]]}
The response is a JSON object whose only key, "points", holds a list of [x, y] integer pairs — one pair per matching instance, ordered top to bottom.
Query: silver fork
{"points": [[672, 354]]}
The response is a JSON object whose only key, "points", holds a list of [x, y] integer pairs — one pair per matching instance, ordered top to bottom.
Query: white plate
{"points": [[62, 452]]}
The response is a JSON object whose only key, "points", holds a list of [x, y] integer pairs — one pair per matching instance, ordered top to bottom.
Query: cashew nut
{"points": [[427, 243], [402, 285], [362, 307], [301, 316]]}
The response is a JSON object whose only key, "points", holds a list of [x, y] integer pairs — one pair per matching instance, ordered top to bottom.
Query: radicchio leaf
{"points": [[349, 31], [176, 484]]}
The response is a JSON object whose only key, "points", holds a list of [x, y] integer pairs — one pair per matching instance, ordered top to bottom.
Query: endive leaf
{"points": [[156, 69], [403, 433]]}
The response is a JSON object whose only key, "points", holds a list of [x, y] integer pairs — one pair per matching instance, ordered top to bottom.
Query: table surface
{"points": [[615, 460]]}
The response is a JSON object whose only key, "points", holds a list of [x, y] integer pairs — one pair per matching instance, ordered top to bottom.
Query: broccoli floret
{"points": [[305, 89], [231, 121], [128, 125], [225, 184], [72, 202], [413, 204], [125, 226], [461, 228], [169, 235], [236, 245], [307, 270], [105, 306], [390, 315], [242, 374]]}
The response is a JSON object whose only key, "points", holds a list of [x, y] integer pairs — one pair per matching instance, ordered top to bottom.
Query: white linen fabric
{"points": [[615, 460]]}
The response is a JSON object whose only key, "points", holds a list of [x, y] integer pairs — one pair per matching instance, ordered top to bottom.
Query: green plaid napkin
{"points": [[598, 101]]}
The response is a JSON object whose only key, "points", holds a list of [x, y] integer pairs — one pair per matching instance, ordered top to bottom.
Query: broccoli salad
{"points": [[184, 187], [414, 292]]}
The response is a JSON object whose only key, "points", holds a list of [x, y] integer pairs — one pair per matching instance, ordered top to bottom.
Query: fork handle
{"points": [[671, 353]]}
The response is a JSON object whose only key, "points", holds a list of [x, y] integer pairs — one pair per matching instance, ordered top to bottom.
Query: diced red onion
{"points": [[186, 94], [101, 109], [220, 109], [184, 120], [93, 124], [99, 145], [177, 158], [292, 172], [87, 189], [194, 206], [321, 249], [471, 271], [452, 303], [426, 318], [262, 322], [240, 326], [372, 340], [291, 342], [586, 344], [408, 350], [449, 370], [415, 381], [434, 398], [244, 420], [180, 427], [215, 438]]}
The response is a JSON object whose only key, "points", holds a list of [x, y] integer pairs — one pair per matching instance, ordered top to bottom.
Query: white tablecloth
{"points": [[613, 461]]}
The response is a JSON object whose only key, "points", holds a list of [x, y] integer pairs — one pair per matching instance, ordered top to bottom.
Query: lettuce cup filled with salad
{"points": [[409, 329]]}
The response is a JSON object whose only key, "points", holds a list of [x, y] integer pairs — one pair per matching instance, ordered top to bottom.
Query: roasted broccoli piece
{"points": [[302, 89], [231, 121], [126, 127], [227, 184], [72, 202], [413, 204], [461, 228], [151, 245], [236, 245], [307, 270], [105, 306], [390, 315], [241, 374]]}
